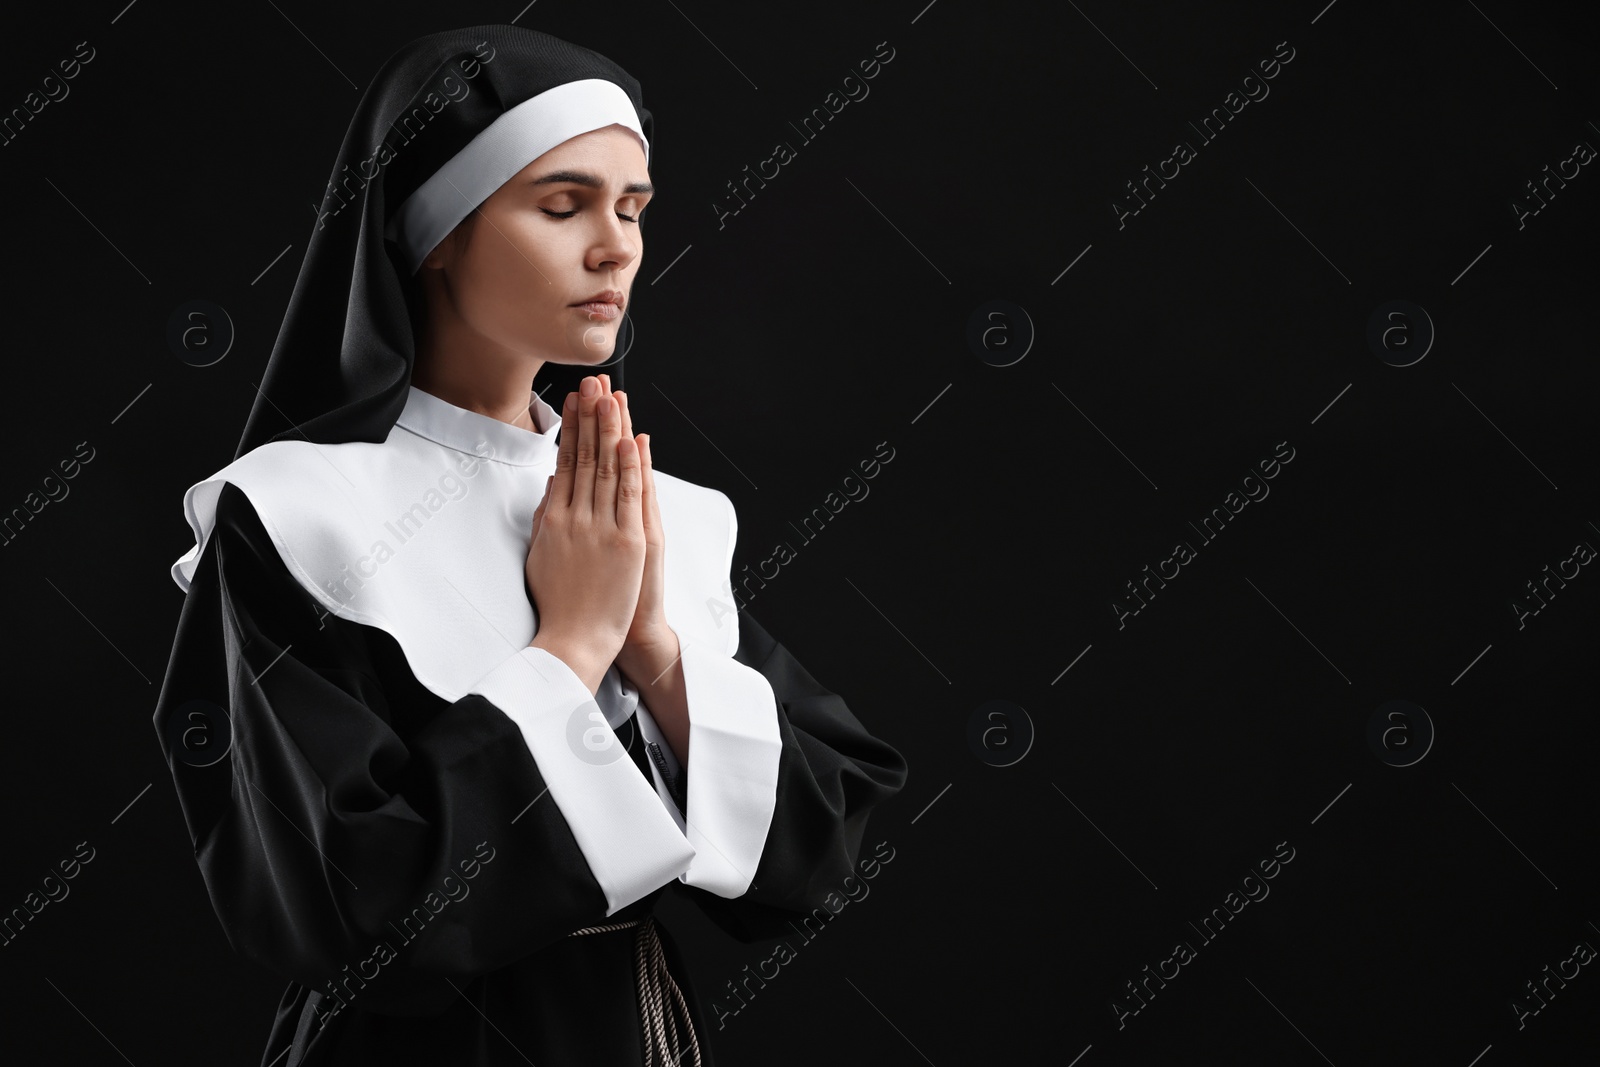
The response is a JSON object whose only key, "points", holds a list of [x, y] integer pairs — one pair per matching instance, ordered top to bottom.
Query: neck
{"points": [[464, 368]]}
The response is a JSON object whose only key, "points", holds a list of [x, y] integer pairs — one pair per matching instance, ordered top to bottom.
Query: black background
{"points": [[831, 315]]}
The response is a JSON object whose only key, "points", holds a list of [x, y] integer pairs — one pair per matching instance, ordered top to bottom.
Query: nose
{"points": [[616, 246]]}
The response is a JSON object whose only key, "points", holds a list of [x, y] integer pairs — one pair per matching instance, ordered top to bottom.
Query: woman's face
{"points": [[563, 230]]}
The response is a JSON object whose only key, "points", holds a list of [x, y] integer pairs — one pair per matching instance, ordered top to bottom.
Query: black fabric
{"points": [[342, 361], [348, 792]]}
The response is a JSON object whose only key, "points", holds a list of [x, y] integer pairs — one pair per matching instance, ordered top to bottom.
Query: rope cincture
{"points": [[660, 1026]]}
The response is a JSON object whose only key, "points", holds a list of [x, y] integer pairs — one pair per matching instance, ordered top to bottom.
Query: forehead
{"points": [[611, 154]]}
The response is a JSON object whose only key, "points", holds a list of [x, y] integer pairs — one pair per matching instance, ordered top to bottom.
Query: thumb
{"points": [[538, 512]]}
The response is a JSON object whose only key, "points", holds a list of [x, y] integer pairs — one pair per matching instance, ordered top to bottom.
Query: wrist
{"points": [[649, 654], [583, 660]]}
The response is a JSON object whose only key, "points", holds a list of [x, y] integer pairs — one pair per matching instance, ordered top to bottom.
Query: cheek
{"points": [[511, 271], [515, 285]]}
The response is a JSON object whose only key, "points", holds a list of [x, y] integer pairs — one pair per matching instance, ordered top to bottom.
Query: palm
{"points": [[649, 619]]}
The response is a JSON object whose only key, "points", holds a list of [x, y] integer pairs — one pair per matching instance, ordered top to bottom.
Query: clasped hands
{"points": [[596, 561]]}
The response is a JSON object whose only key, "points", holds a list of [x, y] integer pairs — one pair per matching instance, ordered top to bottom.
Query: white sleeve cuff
{"points": [[734, 748], [631, 843]]}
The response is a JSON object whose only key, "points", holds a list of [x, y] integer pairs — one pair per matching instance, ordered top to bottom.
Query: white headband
{"points": [[499, 151]]}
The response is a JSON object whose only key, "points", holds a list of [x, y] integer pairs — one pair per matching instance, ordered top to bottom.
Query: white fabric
{"points": [[501, 149], [426, 535], [626, 835]]}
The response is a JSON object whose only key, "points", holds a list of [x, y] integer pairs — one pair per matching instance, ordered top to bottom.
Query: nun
{"points": [[459, 690]]}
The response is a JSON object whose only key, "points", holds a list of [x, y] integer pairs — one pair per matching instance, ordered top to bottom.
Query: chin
{"points": [[597, 343]]}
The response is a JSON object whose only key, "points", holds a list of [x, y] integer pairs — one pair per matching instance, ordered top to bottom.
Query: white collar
{"points": [[467, 431], [426, 535]]}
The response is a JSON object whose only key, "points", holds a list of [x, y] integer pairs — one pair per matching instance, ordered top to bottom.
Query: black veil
{"points": [[341, 365]]}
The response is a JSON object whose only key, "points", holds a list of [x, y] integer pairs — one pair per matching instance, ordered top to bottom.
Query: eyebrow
{"points": [[583, 177]]}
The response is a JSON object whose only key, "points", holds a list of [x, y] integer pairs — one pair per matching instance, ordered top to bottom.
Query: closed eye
{"points": [[574, 211]]}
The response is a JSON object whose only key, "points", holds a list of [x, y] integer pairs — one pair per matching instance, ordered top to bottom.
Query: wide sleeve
{"points": [[347, 820], [774, 842]]}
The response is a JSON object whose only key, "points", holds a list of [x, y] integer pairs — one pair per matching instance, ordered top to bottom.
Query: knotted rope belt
{"points": [[655, 985]]}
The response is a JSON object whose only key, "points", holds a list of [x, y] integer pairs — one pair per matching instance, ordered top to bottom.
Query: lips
{"points": [[605, 296], [601, 312]]}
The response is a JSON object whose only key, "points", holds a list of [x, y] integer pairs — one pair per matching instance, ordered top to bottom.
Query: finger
{"points": [[605, 384], [588, 452], [566, 454], [644, 462], [608, 466], [629, 485], [538, 512], [652, 517]]}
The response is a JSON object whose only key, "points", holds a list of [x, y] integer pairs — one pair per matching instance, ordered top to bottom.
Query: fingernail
{"points": [[589, 387], [567, 404]]}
